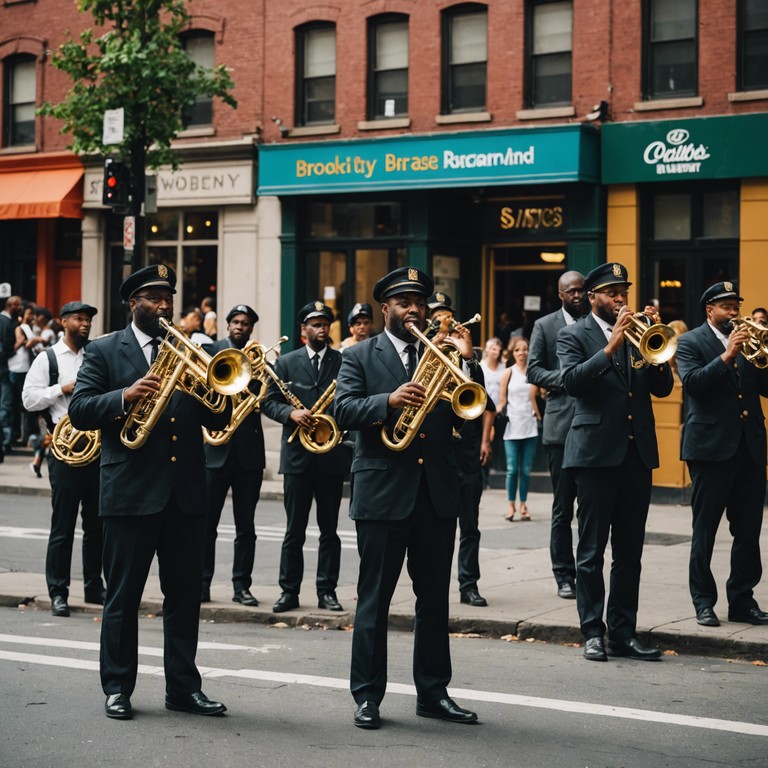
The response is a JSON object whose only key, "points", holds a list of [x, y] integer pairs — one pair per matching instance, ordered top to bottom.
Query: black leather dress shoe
{"points": [[566, 590], [244, 597], [473, 597], [97, 598], [286, 602], [329, 602], [59, 606], [750, 616], [707, 617], [594, 649], [633, 649], [197, 703], [118, 706], [445, 709], [367, 716]]}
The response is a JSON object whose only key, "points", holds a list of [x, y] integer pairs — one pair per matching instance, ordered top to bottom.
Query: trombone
{"points": [[656, 342], [246, 402]]}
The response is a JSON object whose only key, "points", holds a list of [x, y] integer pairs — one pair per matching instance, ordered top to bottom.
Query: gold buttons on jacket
{"points": [[629, 394], [745, 413], [630, 417], [173, 418], [422, 435], [631, 437], [174, 438], [173, 458], [421, 461]]}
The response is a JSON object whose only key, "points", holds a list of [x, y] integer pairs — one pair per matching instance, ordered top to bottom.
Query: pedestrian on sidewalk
{"points": [[544, 372], [48, 390], [724, 443], [611, 448]]}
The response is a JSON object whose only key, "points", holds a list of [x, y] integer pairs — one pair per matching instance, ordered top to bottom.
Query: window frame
{"points": [[375, 23], [741, 45], [650, 48], [531, 58], [448, 70], [201, 101], [301, 101], [9, 136]]}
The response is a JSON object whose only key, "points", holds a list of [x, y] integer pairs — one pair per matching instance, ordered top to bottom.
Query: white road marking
{"points": [[493, 697]]}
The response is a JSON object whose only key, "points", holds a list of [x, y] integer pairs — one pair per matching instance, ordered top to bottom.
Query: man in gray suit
{"points": [[544, 371]]}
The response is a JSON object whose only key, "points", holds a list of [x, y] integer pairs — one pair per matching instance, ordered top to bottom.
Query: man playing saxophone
{"points": [[48, 388], [152, 500], [404, 501]]}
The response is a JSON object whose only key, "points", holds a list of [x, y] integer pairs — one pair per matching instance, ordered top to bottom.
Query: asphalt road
{"points": [[540, 706]]}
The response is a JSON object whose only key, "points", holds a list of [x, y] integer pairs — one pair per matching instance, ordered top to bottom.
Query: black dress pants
{"points": [[737, 487], [71, 488], [246, 489], [471, 490], [299, 491], [563, 498], [613, 501], [428, 540], [130, 543]]}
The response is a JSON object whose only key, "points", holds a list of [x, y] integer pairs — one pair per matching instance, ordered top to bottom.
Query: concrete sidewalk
{"points": [[517, 583]]}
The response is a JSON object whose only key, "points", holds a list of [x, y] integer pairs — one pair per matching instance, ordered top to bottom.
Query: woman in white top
{"points": [[493, 368], [522, 432]]}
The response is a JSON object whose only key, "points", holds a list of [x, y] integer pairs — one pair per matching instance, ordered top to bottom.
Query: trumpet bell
{"points": [[658, 344], [229, 372], [468, 400], [323, 437]]}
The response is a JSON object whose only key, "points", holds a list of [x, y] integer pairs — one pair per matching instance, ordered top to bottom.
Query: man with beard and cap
{"points": [[360, 321], [544, 371], [307, 372], [48, 388], [724, 445], [611, 449], [238, 465], [152, 500], [404, 502]]}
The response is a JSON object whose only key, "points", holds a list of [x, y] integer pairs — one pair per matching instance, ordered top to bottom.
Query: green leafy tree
{"points": [[138, 63]]}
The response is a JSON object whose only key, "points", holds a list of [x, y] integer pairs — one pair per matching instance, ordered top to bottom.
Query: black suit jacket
{"points": [[7, 339], [295, 370], [544, 371], [722, 402], [610, 404], [247, 444], [140, 481], [386, 482]]}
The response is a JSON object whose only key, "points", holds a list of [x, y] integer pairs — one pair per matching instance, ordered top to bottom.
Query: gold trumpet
{"points": [[437, 324], [656, 342], [755, 349], [184, 366], [440, 374], [246, 402], [75, 447]]}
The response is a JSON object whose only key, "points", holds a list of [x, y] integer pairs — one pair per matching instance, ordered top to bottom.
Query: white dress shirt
{"points": [[37, 395]]}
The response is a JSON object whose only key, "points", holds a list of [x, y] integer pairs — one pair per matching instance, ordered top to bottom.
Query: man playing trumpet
{"points": [[611, 449], [404, 501]]}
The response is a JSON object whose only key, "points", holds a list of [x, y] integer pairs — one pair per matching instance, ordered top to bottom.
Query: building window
{"points": [[753, 45], [199, 48], [550, 48], [671, 50], [465, 58], [387, 67], [316, 68], [20, 97]]}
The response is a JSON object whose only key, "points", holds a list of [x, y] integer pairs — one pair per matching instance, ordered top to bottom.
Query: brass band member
{"points": [[360, 321], [48, 388], [724, 445], [612, 450], [237, 464], [153, 499], [403, 502]]}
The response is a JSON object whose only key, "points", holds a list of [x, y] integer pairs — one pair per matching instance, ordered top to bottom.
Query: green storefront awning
{"points": [[726, 147], [468, 159]]}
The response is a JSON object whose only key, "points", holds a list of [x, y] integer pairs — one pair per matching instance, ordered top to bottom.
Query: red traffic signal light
{"points": [[115, 190]]}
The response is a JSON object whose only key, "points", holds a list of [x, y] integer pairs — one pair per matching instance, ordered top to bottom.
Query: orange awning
{"points": [[44, 194]]}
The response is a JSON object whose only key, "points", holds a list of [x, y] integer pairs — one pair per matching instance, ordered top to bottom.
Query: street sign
{"points": [[114, 120], [129, 233]]}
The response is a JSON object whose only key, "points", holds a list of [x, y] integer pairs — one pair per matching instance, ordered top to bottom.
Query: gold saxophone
{"points": [[184, 366], [440, 374], [246, 402], [76, 447]]}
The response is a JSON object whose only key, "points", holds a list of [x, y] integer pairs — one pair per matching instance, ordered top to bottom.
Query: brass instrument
{"points": [[436, 324], [656, 342], [755, 349], [185, 366], [440, 374], [246, 402], [324, 434], [75, 447]]}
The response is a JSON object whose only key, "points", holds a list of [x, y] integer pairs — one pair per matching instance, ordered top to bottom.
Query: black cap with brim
{"points": [[155, 275], [606, 275], [403, 280], [725, 289], [73, 307], [242, 309], [315, 309]]}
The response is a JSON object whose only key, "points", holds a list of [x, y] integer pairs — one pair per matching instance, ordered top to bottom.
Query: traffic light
{"points": [[115, 190]]}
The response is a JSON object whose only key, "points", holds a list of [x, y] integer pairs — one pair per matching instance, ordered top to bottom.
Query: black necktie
{"points": [[155, 343], [412, 357], [316, 365]]}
